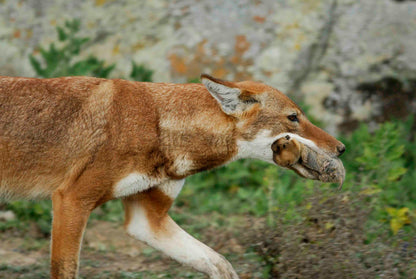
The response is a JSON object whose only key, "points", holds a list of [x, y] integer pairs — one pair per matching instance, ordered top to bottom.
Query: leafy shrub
{"points": [[62, 60], [140, 73], [381, 165], [39, 211]]}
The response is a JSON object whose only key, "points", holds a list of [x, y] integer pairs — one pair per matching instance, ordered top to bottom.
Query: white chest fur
{"points": [[133, 183]]}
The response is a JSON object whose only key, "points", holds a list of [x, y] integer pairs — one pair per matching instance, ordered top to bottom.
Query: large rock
{"points": [[349, 60], [7, 215]]}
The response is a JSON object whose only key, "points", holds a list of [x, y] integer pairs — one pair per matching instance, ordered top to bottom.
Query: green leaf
{"points": [[73, 25], [62, 36], [36, 65], [81, 68], [104, 72], [140, 72], [395, 153], [396, 173]]}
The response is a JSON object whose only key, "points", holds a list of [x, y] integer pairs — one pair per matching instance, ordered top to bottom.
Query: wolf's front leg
{"points": [[147, 220]]}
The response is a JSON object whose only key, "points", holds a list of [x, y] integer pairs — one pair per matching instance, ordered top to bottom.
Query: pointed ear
{"points": [[225, 92]]}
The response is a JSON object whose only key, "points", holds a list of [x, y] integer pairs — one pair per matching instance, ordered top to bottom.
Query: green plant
{"points": [[60, 59], [140, 73], [194, 80], [381, 164], [39, 211], [110, 211], [34, 271]]}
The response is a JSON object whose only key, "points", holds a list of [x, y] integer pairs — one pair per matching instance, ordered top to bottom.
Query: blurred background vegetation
{"points": [[289, 227]]}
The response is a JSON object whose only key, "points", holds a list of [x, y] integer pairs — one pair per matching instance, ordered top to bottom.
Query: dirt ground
{"points": [[107, 252]]}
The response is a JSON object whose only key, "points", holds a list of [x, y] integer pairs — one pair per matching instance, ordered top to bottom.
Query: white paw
{"points": [[222, 269]]}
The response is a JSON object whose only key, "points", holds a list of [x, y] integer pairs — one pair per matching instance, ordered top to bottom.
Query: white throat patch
{"points": [[260, 146]]}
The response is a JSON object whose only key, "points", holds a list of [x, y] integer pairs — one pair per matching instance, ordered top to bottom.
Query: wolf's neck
{"points": [[195, 134]]}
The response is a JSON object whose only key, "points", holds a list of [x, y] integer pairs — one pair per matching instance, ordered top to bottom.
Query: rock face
{"points": [[348, 60], [7, 215]]}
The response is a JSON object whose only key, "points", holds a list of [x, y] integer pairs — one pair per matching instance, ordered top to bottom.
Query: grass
{"points": [[37, 271]]}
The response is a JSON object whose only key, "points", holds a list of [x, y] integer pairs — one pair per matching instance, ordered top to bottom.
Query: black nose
{"points": [[341, 149]]}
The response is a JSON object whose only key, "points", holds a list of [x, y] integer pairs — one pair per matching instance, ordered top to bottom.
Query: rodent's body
{"points": [[287, 151], [291, 153]]}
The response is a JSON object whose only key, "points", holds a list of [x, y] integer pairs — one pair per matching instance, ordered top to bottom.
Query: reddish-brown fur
{"points": [[73, 138], [155, 203]]}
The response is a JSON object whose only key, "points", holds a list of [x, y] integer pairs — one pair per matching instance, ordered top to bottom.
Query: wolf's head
{"points": [[263, 115]]}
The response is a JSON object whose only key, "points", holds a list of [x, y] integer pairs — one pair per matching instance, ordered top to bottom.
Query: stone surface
{"points": [[348, 60], [7, 215]]}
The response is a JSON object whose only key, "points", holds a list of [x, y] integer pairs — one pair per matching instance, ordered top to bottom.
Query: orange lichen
{"points": [[259, 19], [241, 44], [178, 63]]}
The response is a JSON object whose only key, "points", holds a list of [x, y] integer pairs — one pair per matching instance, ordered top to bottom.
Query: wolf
{"points": [[82, 141]]}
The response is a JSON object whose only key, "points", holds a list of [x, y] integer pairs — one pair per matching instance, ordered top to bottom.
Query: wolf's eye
{"points": [[293, 118]]}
